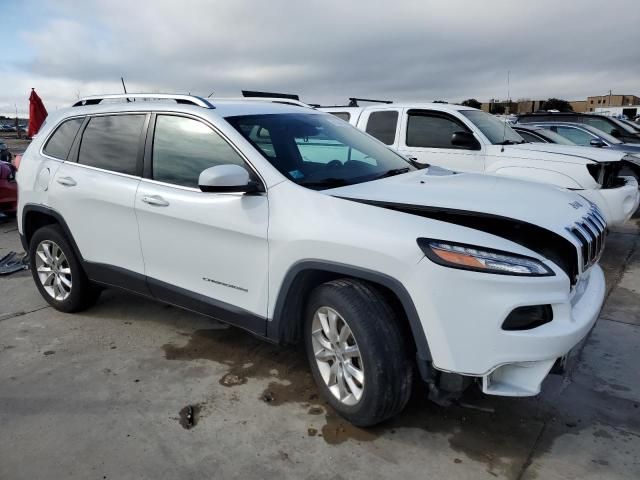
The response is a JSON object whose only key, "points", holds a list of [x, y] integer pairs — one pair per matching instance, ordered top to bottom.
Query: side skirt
{"points": [[167, 293]]}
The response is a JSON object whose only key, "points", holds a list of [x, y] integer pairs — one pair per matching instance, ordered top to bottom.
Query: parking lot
{"points": [[108, 394]]}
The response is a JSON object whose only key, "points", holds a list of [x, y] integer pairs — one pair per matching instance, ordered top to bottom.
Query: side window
{"points": [[342, 115], [382, 125], [434, 131], [576, 136], [529, 137], [111, 142], [59, 144], [184, 147]]}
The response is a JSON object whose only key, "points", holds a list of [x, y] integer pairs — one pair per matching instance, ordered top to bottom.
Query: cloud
{"points": [[326, 50]]}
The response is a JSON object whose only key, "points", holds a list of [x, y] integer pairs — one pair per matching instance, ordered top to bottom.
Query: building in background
{"points": [[602, 101], [628, 105]]}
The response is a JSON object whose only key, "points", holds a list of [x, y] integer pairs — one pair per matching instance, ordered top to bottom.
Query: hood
{"points": [[563, 153], [546, 206]]}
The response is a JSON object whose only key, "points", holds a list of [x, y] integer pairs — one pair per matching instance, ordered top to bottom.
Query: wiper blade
{"points": [[507, 142], [392, 172], [326, 182]]}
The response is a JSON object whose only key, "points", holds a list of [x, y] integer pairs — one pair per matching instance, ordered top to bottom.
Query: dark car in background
{"points": [[610, 125], [536, 134], [588, 136]]}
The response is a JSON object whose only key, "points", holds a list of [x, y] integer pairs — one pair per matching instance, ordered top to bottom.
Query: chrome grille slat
{"points": [[590, 232]]}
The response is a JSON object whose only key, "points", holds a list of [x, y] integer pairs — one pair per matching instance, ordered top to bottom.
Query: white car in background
{"points": [[464, 139], [299, 228]]}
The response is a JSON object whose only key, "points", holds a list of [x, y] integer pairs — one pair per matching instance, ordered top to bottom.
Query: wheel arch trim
{"points": [[278, 324]]}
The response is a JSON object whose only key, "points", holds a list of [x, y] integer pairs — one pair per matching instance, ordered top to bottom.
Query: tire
{"points": [[59, 276], [383, 363]]}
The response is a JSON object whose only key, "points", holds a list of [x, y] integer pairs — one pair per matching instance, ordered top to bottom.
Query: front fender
{"points": [[541, 175]]}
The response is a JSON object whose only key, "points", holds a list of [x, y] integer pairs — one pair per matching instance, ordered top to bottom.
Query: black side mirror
{"points": [[615, 133], [465, 140], [596, 142]]}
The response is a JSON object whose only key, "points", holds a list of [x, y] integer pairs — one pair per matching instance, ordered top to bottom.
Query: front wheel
{"points": [[357, 352]]}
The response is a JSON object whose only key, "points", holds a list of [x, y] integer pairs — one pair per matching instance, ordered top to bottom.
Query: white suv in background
{"points": [[468, 140], [294, 225]]}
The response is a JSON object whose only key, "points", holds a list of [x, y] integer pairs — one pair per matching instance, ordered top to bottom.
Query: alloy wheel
{"points": [[53, 270], [337, 355]]}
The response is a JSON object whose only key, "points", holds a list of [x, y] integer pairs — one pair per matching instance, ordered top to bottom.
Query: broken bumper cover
{"points": [[617, 204], [463, 324]]}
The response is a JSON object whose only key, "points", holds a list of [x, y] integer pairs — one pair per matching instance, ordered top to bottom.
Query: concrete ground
{"points": [[105, 394]]}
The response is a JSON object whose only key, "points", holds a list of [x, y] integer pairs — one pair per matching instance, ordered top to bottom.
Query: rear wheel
{"points": [[57, 271], [357, 352]]}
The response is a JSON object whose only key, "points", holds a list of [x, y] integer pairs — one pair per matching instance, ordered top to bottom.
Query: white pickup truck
{"points": [[469, 140]]}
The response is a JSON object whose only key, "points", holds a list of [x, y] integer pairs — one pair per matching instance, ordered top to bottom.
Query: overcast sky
{"points": [[324, 50]]}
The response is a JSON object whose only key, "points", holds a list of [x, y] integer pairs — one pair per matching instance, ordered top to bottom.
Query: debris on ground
{"points": [[13, 262], [230, 379], [267, 396], [188, 416], [312, 432]]}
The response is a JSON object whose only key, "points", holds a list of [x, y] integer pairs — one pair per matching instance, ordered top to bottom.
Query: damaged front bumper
{"points": [[617, 204]]}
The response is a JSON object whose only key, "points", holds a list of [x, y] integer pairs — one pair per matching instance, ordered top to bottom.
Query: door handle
{"points": [[67, 181], [155, 200]]}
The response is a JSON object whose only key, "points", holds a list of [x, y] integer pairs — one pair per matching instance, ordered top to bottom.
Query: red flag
{"points": [[37, 113]]}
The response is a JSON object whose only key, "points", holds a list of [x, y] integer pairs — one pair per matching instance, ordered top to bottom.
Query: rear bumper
{"points": [[617, 204]]}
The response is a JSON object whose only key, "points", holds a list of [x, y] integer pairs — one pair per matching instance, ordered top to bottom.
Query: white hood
{"points": [[563, 153], [547, 206]]}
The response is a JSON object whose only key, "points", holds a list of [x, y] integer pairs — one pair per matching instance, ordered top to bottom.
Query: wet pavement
{"points": [[136, 389]]}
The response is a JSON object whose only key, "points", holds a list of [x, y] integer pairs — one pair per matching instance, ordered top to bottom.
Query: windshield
{"points": [[622, 125], [633, 125], [498, 132], [318, 150]]}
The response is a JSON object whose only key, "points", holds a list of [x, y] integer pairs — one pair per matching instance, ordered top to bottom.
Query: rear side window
{"points": [[342, 115], [382, 125], [434, 131], [530, 137], [112, 143], [59, 144], [184, 147]]}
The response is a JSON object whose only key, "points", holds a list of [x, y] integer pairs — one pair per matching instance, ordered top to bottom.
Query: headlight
{"points": [[480, 259]]}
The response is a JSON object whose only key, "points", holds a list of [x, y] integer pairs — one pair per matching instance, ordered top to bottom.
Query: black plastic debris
{"points": [[13, 262], [188, 416]]}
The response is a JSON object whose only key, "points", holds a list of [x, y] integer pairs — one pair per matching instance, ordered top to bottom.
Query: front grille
{"points": [[590, 232]]}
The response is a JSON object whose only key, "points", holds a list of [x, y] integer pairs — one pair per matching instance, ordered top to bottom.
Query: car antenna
{"points": [[125, 88], [210, 95], [504, 129]]}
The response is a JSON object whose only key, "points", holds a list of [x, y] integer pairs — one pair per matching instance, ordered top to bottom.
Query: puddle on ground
{"points": [[497, 432]]}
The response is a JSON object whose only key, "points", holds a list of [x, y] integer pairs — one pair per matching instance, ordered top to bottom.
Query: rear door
{"points": [[382, 123], [426, 136], [94, 191]]}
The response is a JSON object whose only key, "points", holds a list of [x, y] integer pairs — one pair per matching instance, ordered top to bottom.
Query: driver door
{"points": [[427, 138], [203, 251]]}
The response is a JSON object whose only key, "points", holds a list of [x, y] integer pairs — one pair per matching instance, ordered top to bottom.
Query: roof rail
{"points": [[253, 93], [179, 98], [353, 101]]}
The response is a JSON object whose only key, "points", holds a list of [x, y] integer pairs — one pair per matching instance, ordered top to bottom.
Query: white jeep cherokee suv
{"points": [[468, 140], [294, 225]]}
